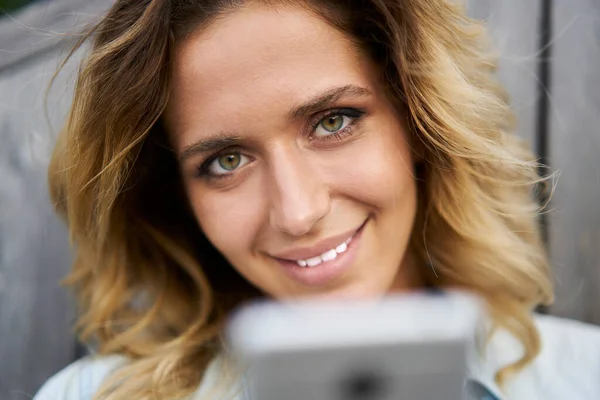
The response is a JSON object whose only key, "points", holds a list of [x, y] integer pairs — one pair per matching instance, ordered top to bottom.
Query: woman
{"points": [[219, 150]]}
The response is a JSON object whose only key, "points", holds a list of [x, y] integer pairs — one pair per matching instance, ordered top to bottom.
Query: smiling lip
{"points": [[304, 253], [327, 271]]}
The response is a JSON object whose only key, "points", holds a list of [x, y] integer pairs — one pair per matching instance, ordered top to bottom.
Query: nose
{"points": [[299, 195]]}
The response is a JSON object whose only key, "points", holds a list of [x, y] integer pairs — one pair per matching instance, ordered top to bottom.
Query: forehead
{"points": [[258, 54]]}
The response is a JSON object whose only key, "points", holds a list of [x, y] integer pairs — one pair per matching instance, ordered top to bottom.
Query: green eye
{"points": [[333, 123], [336, 124], [230, 161], [224, 164]]}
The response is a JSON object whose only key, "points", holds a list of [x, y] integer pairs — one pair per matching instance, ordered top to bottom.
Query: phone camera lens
{"points": [[363, 386]]}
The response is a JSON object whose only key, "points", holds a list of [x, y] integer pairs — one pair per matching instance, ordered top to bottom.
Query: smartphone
{"points": [[403, 347]]}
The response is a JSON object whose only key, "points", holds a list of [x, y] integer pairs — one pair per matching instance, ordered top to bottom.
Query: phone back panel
{"points": [[391, 371]]}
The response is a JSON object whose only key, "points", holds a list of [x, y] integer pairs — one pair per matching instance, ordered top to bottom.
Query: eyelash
{"points": [[354, 114], [203, 169]]}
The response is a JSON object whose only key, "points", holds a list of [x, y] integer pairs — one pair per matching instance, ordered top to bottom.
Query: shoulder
{"points": [[555, 328], [570, 351], [568, 365], [80, 380]]}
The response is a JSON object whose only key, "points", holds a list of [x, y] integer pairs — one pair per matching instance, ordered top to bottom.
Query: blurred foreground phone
{"points": [[405, 347]]}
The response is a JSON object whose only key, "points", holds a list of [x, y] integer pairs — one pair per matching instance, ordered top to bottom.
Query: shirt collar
{"points": [[487, 357], [477, 391]]}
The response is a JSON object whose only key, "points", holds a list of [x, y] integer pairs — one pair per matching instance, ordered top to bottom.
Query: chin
{"points": [[352, 292]]}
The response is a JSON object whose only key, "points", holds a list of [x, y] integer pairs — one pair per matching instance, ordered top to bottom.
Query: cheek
{"points": [[395, 170], [383, 173], [228, 219]]}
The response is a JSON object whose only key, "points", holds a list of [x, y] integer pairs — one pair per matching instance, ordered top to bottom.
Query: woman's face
{"points": [[297, 167]]}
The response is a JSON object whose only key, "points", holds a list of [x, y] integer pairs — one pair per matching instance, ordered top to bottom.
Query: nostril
{"points": [[299, 199], [297, 218]]}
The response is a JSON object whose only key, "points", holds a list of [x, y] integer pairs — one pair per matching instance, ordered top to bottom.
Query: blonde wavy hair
{"points": [[149, 284]]}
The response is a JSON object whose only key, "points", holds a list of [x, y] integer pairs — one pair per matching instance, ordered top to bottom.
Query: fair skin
{"points": [[290, 149]]}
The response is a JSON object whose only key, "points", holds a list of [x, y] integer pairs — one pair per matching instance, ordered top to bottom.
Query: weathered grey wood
{"points": [[43, 26], [513, 28], [575, 151], [36, 314]]}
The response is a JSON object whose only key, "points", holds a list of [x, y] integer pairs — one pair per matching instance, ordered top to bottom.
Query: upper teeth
{"points": [[329, 255]]}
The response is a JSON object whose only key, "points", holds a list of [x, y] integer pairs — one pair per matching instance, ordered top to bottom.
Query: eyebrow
{"points": [[323, 100], [312, 106], [209, 144]]}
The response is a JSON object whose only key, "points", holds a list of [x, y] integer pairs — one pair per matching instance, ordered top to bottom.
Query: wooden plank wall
{"points": [[513, 29], [574, 149], [36, 315]]}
